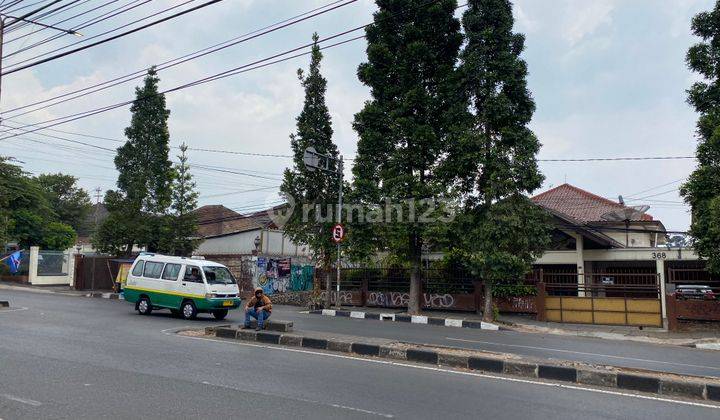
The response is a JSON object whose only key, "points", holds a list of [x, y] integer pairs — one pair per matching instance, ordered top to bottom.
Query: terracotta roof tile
{"points": [[580, 205]]}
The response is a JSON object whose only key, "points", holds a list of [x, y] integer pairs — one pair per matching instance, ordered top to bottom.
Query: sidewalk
{"points": [[61, 290], [708, 337]]}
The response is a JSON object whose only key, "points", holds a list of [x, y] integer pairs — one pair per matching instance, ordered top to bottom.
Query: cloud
{"points": [[584, 18]]}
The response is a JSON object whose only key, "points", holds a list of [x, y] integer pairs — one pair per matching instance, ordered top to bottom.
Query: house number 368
{"points": [[659, 255]]}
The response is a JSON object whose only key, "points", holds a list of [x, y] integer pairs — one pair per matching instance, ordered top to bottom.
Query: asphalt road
{"points": [[70, 357], [666, 358]]}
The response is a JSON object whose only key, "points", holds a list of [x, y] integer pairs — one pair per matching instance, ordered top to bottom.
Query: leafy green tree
{"points": [[406, 127], [494, 164], [702, 189], [312, 191], [71, 203], [138, 207], [26, 215], [182, 222], [58, 236]]}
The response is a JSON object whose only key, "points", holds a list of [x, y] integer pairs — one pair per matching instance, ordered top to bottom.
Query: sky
{"points": [[608, 78]]}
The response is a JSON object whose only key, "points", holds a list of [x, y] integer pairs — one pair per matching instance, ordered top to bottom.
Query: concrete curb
{"points": [[35, 289], [102, 295], [413, 319], [658, 383]]}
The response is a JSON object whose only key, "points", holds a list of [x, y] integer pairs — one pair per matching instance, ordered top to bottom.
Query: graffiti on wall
{"points": [[280, 276], [346, 297], [399, 300]]}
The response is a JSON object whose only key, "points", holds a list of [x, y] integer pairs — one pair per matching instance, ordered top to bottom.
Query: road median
{"points": [[635, 380]]}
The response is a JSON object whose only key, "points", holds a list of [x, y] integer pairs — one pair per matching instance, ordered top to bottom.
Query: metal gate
{"points": [[637, 305]]}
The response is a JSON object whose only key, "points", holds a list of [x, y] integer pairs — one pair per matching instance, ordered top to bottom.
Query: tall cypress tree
{"points": [[404, 129], [494, 164], [702, 189], [312, 191], [138, 206], [181, 223]]}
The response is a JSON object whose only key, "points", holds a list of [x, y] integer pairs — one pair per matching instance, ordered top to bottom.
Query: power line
{"points": [[61, 9], [59, 22], [91, 22], [112, 38], [185, 58], [237, 70], [234, 71], [617, 159], [659, 186], [661, 193]]}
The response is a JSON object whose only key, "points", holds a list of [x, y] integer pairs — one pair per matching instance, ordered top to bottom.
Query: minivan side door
{"points": [[192, 282]]}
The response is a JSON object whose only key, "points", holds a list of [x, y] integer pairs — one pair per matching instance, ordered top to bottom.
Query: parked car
{"points": [[185, 286], [698, 292]]}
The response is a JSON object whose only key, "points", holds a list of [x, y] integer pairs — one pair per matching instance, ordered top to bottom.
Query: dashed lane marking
{"points": [[21, 400], [340, 406]]}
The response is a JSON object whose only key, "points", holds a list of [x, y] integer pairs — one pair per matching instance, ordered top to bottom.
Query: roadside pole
{"points": [[313, 161], [339, 221]]}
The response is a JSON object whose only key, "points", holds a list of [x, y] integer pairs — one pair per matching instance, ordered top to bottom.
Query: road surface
{"points": [[72, 357]]}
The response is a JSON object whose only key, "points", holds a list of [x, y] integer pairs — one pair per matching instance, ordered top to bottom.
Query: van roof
{"points": [[178, 260]]}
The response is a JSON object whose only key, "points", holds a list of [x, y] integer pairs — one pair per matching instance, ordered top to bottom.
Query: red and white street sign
{"points": [[338, 233]]}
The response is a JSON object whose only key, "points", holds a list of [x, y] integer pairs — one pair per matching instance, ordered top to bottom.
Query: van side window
{"points": [[138, 269], [153, 269], [171, 272], [192, 273]]}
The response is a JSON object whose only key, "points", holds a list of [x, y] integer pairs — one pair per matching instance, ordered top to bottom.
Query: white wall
{"points": [[272, 242], [38, 280]]}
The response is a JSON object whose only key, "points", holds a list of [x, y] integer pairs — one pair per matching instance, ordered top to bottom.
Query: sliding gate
{"points": [[623, 304]]}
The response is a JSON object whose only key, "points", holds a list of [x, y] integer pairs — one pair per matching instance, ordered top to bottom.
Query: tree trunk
{"points": [[415, 275], [328, 286], [414, 300], [488, 307]]}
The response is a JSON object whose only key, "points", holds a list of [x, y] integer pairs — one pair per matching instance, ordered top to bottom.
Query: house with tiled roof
{"points": [[602, 222], [241, 240], [597, 241]]}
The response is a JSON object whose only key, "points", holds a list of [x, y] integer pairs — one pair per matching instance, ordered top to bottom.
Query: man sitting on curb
{"points": [[259, 307]]}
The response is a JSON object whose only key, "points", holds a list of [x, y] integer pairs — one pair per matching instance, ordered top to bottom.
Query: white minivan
{"points": [[186, 286]]}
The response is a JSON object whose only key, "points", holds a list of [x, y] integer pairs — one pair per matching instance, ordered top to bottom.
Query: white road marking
{"points": [[3, 311], [329, 312], [356, 314], [418, 319], [581, 352], [457, 372], [287, 397], [21, 400]]}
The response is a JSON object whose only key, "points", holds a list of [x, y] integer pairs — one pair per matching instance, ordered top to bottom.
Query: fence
{"points": [[53, 263], [95, 272], [440, 289], [625, 304]]}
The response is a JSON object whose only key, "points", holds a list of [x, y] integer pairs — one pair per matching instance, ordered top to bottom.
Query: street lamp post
{"points": [[314, 160]]}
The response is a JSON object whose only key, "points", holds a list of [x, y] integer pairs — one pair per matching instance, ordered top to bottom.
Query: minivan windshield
{"points": [[218, 275]]}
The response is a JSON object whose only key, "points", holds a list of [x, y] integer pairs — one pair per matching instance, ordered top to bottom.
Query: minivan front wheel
{"points": [[144, 307], [188, 310], [220, 314]]}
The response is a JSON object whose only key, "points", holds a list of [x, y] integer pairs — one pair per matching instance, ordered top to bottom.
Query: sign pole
{"points": [[339, 220]]}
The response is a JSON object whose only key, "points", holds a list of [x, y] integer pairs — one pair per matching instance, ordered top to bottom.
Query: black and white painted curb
{"points": [[102, 295], [413, 319], [650, 382]]}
